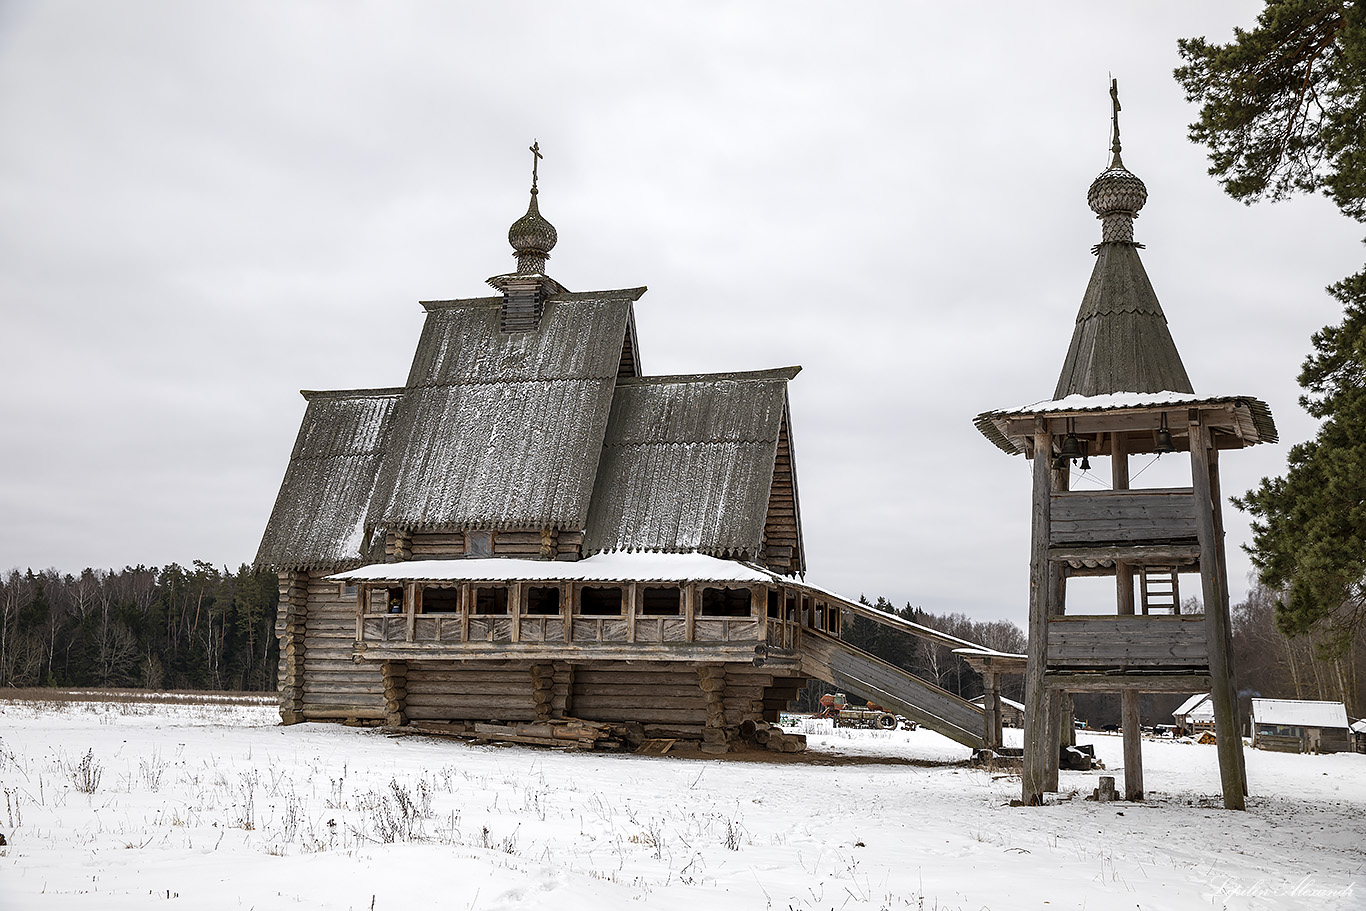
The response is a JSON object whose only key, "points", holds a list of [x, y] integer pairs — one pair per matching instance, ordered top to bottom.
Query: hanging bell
{"points": [[1164, 441], [1071, 448], [1085, 462]]}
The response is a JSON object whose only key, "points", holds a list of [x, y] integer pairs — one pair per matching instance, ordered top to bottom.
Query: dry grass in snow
{"points": [[125, 805]]}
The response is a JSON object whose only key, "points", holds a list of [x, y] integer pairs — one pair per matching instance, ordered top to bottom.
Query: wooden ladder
{"points": [[1159, 589]]}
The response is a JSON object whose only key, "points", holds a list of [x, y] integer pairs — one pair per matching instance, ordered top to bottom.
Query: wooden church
{"points": [[1123, 392], [531, 529]]}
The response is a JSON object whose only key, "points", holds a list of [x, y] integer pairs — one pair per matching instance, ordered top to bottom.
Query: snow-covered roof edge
{"points": [[989, 423], [607, 567], [1189, 705], [1299, 713]]}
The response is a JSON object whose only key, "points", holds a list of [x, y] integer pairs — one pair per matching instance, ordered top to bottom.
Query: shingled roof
{"points": [[1121, 342], [504, 429], [688, 463], [318, 519]]}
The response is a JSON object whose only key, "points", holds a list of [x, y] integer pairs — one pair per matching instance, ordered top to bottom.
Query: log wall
{"points": [[782, 529], [527, 543], [335, 686], [470, 691], [667, 697]]}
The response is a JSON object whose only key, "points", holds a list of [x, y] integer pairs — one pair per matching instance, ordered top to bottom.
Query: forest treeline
{"points": [[173, 627]]}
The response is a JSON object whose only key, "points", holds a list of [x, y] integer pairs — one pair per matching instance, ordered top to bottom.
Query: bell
{"points": [[1164, 441], [1071, 449], [1085, 463]]}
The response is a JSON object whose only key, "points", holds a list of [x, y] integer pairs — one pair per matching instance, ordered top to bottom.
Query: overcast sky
{"points": [[210, 206]]}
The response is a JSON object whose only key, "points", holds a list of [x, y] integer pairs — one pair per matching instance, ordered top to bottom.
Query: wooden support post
{"points": [[1217, 499], [1214, 587], [515, 591], [1124, 599], [568, 603], [632, 606], [758, 607], [410, 608], [466, 608], [689, 610], [360, 612], [1059, 702], [1035, 720], [1069, 721], [715, 735], [991, 735], [1133, 744]]}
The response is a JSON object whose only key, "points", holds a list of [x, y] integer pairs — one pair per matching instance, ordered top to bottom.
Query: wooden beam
{"points": [[1214, 587], [1124, 596], [632, 606], [690, 610], [1114, 683], [1036, 697], [992, 735]]}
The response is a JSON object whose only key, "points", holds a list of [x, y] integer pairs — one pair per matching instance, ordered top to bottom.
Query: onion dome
{"points": [[531, 236], [532, 239]]}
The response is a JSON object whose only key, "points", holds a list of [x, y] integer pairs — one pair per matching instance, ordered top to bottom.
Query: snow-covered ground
{"points": [[215, 806]]}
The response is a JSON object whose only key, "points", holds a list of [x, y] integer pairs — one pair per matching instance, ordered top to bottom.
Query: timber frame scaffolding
{"points": [[1123, 391]]}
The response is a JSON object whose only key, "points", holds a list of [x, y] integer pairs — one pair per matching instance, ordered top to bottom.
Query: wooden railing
{"points": [[454, 629]]}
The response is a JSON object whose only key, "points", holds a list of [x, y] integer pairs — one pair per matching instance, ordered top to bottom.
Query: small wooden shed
{"points": [[1196, 714], [1300, 726]]}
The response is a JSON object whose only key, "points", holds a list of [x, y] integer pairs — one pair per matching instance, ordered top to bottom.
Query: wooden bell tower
{"points": [[1123, 393]]}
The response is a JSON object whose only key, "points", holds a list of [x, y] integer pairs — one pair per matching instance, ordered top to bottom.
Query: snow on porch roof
{"points": [[610, 567], [1299, 713]]}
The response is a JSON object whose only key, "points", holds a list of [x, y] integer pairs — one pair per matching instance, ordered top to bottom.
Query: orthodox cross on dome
{"points": [[1114, 121], [531, 236]]}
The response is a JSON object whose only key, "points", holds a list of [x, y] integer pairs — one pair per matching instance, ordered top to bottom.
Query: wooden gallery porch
{"points": [[645, 639]]}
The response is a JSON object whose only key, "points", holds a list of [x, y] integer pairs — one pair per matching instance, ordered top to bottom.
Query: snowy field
{"points": [[132, 805]]}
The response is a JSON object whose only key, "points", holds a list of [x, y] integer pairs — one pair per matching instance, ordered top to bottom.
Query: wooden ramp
{"points": [[857, 672]]}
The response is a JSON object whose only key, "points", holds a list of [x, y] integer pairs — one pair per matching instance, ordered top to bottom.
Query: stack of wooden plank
{"points": [[560, 733]]}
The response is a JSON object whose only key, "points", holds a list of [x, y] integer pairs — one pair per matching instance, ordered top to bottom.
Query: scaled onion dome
{"points": [[1116, 196], [532, 239]]}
